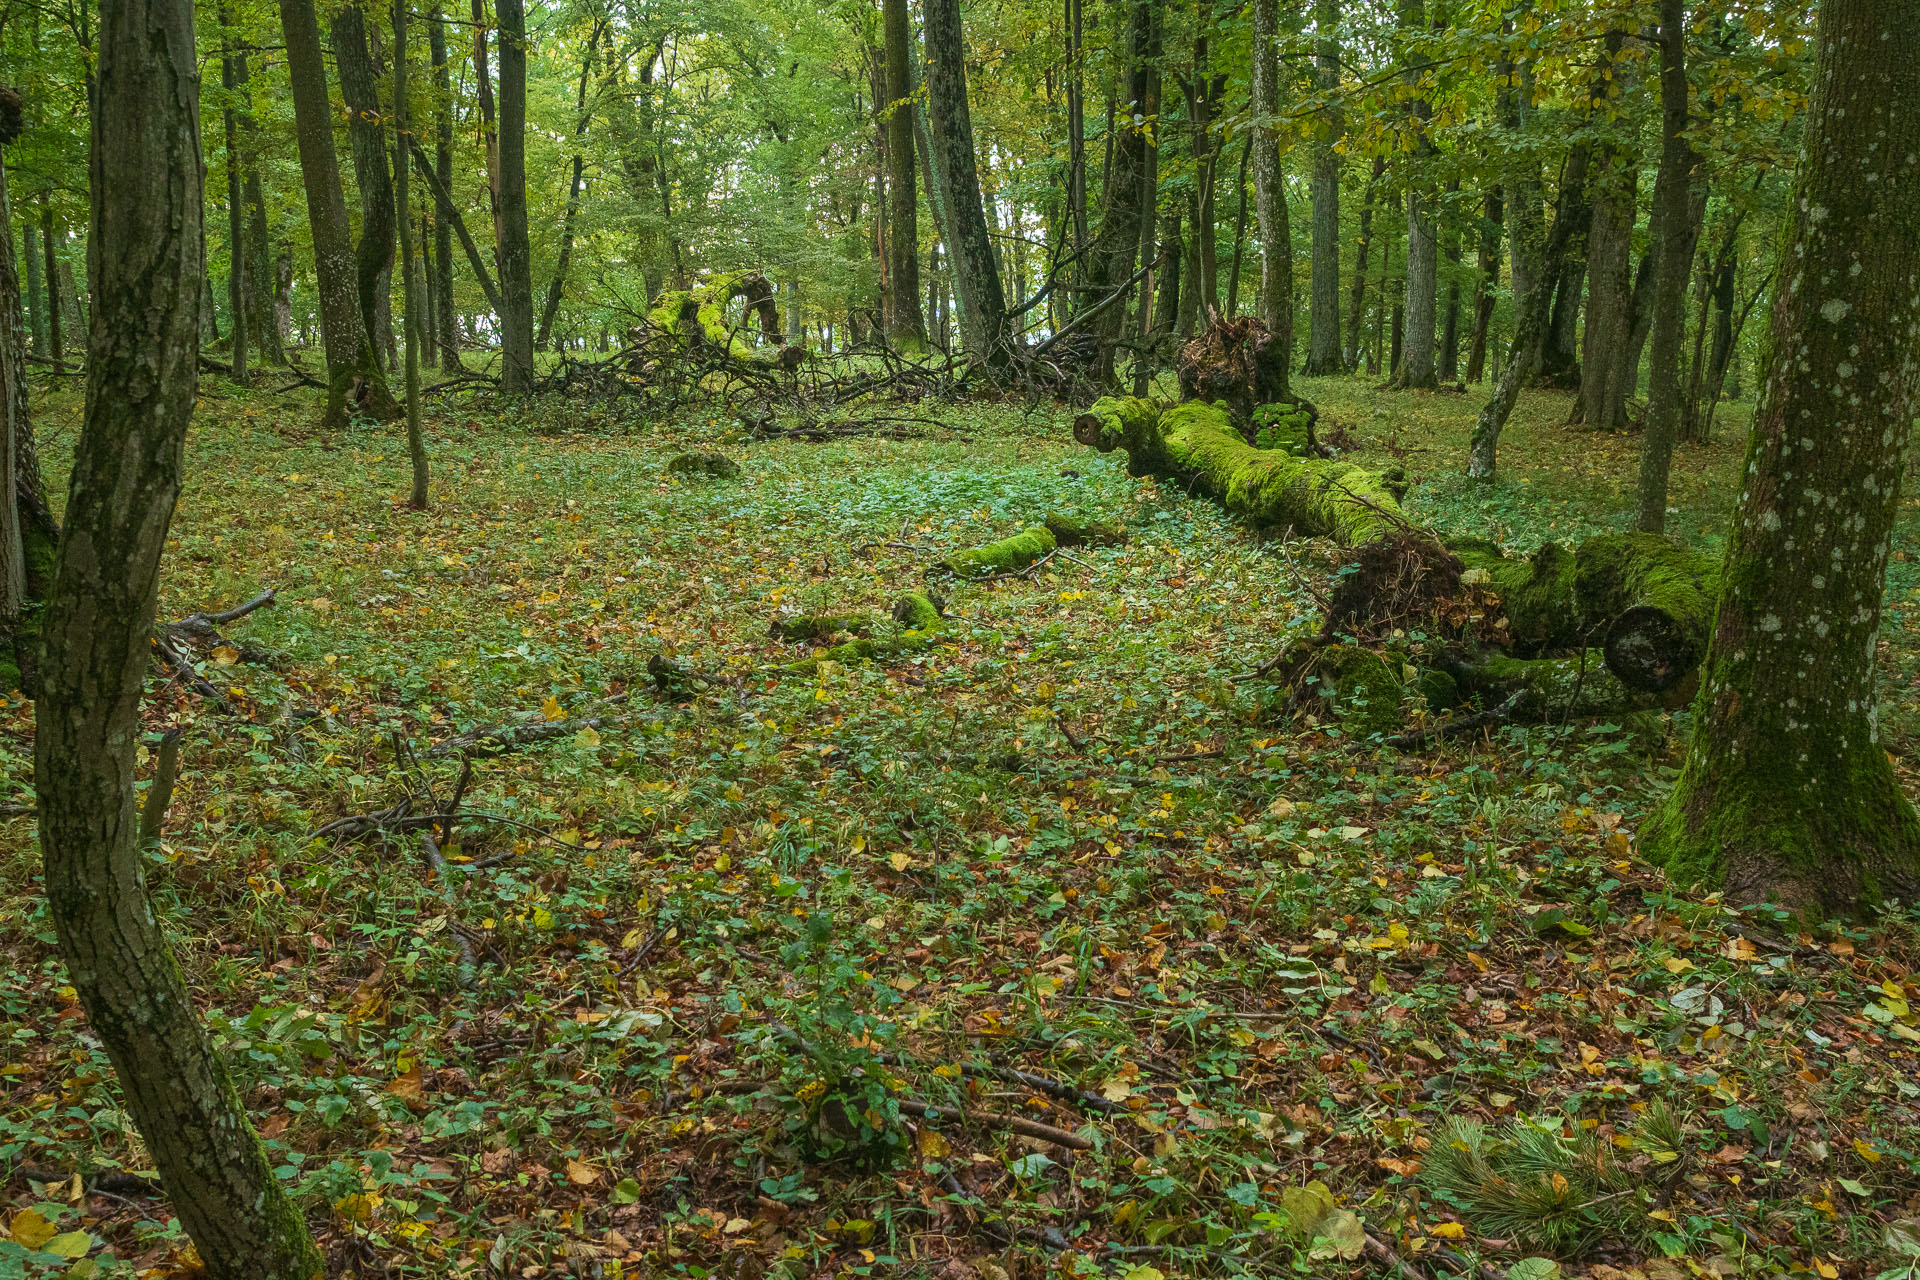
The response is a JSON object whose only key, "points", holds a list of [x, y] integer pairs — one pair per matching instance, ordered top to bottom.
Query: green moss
{"points": [[1284, 425], [714, 466], [1071, 531], [1009, 555], [1537, 592], [919, 611], [818, 626], [1364, 689], [1438, 689]]}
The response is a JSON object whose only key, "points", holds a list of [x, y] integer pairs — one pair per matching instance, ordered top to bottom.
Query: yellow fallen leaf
{"points": [[225, 655], [552, 709], [900, 861], [1677, 964], [931, 1144], [1866, 1151], [582, 1175], [30, 1230], [1447, 1230]]}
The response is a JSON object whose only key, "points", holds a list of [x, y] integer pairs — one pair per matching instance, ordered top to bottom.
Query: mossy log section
{"points": [[698, 318], [1197, 444], [714, 466], [1072, 531], [1009, 555], [1648, 601], [922, 625], [818, 626], [1565, 688]]}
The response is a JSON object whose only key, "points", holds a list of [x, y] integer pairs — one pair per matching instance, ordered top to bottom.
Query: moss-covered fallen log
{"points": [[1197, 444], [1072, 531], [1009, 555], [1647, 601], [922, 624], [818, 626]]}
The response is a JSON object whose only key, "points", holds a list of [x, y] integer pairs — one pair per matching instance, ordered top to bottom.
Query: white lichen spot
{"points": [[1835, 309], [1770, 521], [1770, 623]]}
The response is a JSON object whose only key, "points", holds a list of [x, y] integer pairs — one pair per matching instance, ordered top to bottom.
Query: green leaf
{"points": [[1854, 1186], [626, 1191], [1343, 1230], [68, 1244], [1534, 1269]]}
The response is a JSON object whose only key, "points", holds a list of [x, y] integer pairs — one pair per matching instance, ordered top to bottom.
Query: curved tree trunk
{"points": [[141, 371], [1786, 793]]}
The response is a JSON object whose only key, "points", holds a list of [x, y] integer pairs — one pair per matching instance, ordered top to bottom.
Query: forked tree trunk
{"points": [[516, 251], [353, 370], [141, 371], [1787, 794]]}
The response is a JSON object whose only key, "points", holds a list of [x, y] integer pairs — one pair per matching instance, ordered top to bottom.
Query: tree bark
{"points": [[367, 135], [1076, 135], [1269, 188], [1673, 194], [236, 212], [1492, 214], [146, 236], [1116, 245], [516, 250], [442, 281], [36, 292], [1356, 301], [983, 321], [1323, 321], [906, 323], [414, 325], [55, 345], [353, 370], [1602, 404], [1483, 448], [1786, 793]]}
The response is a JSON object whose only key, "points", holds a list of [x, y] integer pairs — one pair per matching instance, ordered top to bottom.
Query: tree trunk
{"points": [[583, 118], [367, 135], [1076, 135], [1269, 187], [1673, 195], [236, 211], [1492, 214], [1239, 229], [146, 236], [1116, 245], [516, 251], [442, 280], [36, 292], [412, 295], [1356, 302], [1323, 323], [906, 324], [984, 324], [269, 338], [55, 345], [1603, 355], [1449, 356], [1413, 360], [353, 370], [1483, 448], [26, 533], [1787, 794]]}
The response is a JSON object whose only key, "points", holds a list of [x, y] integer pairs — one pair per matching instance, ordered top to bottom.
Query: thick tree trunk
{"points": [[583, 118], [367, 134], [1269, 187], [1673, 195], [146, 236], [1116, 245], [516, 251], [984, 323], [906, 324], [269, 339], [55, 344], [1324, 354], [1413, 359], [353, 370], [1602, 404], [21, 503], [1786, 793]]}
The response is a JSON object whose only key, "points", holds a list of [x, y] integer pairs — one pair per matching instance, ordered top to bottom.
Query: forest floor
{"points": [[728, 947]]}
